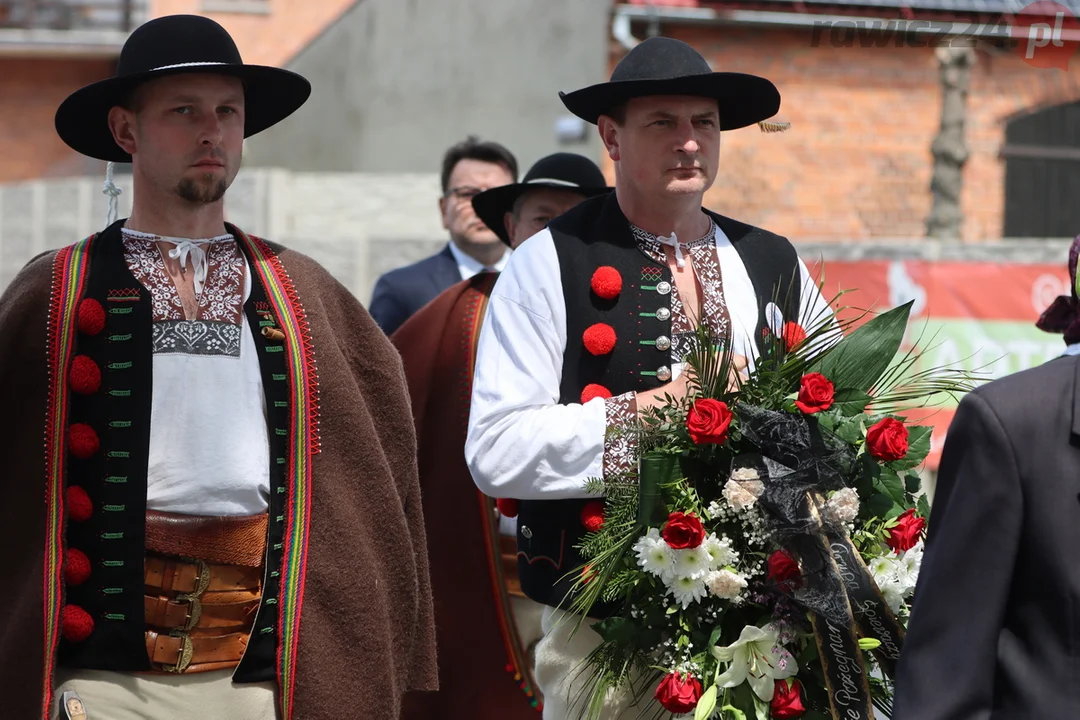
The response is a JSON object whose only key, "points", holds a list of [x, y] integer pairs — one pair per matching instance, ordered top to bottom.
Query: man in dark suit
{"points": [[469, 168], [995, 627]]}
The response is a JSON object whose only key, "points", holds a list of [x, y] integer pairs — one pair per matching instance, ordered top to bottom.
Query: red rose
{"points": [[794, 335], [816, 393], [708, 421], [887, 440], [683, 530], [905, 534], [783, 569], [677, 694], [786, 701]]}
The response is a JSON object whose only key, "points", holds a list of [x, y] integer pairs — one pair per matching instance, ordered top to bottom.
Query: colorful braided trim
{"points": [[303, 445]]}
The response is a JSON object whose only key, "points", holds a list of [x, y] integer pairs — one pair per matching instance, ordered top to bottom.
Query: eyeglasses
{"points": [[464, 194]]}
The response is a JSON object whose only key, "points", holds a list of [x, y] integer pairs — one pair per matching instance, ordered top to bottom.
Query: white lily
{"points": [[756, 657]]}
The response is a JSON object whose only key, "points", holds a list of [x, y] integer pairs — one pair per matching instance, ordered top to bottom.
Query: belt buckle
{"points": [[194, 609], [186, 651]]}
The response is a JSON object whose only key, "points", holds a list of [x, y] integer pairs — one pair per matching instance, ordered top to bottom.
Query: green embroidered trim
{"points": [[648, 287], [123, 298], [120, 310], [646, 314], [267, 323], [120, 338], [646, 342], [275, 348], [119, 365], [647, 372], [278, 376], [120, 393], [281, 403], [120, 423], [280, 431], [118, 454], [281, 461], [119, 479], [281, 489], [113, 508], [281, 518], [112, 536], [277, 546], [113, 563], [275, 573], [112, 591], [271, 601], [114, 616], [267, 630]]}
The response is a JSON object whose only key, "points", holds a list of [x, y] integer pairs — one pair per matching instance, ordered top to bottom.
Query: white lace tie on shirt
{"points": [[674, 242], [186, 248]]}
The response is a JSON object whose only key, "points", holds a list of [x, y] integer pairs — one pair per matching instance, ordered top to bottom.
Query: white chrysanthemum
{"points": [[742, 494], [843, 506], [719, 550], [654, 555], [692, 562], [907, 568], [883, 570], [725, 584], [687, 590], [893, 597]]}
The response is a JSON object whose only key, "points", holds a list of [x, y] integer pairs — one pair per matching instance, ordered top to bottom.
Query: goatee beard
{"points": [[202, 193]]}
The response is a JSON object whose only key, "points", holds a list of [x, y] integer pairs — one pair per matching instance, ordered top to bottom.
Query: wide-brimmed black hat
{"points": [[167, 46], [665, 66], [561, 171]]}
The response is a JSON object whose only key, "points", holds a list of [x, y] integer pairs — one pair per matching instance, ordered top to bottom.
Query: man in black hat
{"points": [[590, 322], [224, 522], [486, 627]]}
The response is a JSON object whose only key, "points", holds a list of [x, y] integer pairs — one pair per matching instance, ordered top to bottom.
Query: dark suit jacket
{"points": [[401, 292], [994, 629]]}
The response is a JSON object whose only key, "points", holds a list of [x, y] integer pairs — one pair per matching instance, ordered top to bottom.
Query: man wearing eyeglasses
{"points": [[469, 168]]}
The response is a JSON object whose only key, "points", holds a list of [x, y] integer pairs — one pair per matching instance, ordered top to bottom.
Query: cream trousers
{"points": [[560, 659], [199, 696]]}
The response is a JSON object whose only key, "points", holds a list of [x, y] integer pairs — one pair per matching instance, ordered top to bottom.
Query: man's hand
{"points": [[680, 386]]}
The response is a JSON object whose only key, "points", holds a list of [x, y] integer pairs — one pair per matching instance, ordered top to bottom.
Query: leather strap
{"points": [[224, 540], [508, 552], [168, 575], [168, 614], [187, 653]]}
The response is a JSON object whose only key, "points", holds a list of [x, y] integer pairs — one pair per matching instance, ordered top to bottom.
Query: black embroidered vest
{"points": [[595, 234], [115, 476]]}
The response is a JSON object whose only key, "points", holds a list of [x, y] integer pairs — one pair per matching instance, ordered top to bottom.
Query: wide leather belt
{"points": [[508, 550], [200, 608]]}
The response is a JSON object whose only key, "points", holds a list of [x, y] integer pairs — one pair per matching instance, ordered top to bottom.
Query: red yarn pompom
{"points": [[607, 282], [91, 317], [599, 339], [85, 375], [593, 390], [83, 441], [79, 506], [508, 507], [592, 516], [76, 567], [75, 623]]}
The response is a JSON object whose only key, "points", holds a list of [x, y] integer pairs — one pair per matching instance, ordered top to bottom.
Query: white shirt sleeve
{"points": [[521, 442]]}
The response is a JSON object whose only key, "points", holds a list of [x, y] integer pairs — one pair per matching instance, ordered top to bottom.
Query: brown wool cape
{"points": [[366, 630], [483, 672]]}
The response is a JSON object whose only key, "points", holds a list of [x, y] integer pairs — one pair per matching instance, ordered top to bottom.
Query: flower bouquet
{"points": [[762, 558]]}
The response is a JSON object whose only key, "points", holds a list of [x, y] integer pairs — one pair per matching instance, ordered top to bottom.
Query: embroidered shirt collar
{"points": [[653, 245], [185, 248]]}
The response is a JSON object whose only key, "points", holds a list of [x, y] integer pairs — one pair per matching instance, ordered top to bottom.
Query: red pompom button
{"points": [[607, 282], [91, 317], [600, 339], [85, 375], [592, 390], [83, 441], [79, 506], [508, 507], [592, 516], [76, 567], [75, 623]]}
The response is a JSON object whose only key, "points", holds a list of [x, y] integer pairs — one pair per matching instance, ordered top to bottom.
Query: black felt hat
{"points": [[167, 46], [665, 66], [561, 171]]}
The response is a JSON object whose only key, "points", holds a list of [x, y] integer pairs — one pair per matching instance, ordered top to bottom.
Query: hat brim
{"points": [[270, 95], [743, 99], [492, 205]]}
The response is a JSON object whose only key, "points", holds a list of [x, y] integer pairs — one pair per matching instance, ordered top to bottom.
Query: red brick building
{"points": [[864, 102]]}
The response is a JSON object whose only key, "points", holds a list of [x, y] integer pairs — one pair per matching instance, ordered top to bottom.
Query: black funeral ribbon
{"points": [[798, 465]]}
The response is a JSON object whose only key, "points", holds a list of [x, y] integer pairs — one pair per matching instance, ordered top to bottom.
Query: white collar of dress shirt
{"points": [[469, 266], [1073, 349]]}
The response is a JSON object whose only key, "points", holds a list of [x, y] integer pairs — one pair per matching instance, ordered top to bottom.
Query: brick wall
{"points": [[30, 91], [856, 162]]}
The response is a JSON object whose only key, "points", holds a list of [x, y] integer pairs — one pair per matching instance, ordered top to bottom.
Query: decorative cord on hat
{"points": [[113, 192]]}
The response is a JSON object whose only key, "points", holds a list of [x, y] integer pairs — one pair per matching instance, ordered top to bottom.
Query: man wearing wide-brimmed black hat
{"points": [[589, 323], [224, 522], [485, 626]]}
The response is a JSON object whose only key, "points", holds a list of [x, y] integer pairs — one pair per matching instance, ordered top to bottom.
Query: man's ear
{"points": [[122, 127], [609, 133], [442, 212]]}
